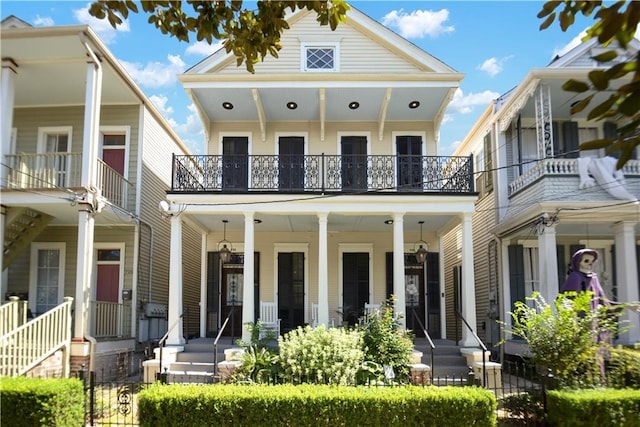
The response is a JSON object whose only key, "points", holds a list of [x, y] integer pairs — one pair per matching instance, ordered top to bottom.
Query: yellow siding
{"points": [[358, 52]]}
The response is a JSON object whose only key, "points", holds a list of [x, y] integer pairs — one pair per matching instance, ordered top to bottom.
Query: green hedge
{"points": [[41, 402], [317, 405], [593, 407]]}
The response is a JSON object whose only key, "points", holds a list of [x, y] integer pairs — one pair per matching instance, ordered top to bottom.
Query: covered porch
{"points": [[337, 252]]}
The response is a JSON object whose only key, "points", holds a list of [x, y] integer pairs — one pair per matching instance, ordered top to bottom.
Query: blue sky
{"points": [[494, 43]]}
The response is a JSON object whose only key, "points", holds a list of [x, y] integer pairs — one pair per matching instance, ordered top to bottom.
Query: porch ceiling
{"points": [[51, 68], [321, 101], [269, 222]]}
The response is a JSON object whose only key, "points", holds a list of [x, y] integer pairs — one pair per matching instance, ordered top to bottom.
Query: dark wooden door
{"points": [[409, 151], [235, 162], [354, 162], [291, 163], [355, 285], [290, 290]]}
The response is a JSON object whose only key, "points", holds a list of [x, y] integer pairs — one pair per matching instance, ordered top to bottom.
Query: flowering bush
{"points": [[321, 356]]}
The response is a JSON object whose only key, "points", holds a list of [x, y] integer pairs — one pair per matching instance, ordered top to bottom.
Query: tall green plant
{"points": [[565, 336], [386, 343]]}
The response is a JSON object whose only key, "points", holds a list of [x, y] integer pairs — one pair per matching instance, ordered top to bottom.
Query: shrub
{"points": [[565, 337], [386, 343], [320, 355], [623, 368], [41, 402], [317, 405], [594, 407]]}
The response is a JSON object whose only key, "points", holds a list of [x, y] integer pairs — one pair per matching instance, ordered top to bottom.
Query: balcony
{"points": [[561, 168], [29, 171], [322, 174]]}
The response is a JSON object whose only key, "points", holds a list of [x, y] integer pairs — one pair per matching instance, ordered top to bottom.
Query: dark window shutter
{"points": [[570, 137], [556, 139], [389, 258], [563, 267], [516, 273]]}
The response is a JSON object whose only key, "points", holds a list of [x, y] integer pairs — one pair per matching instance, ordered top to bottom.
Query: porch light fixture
{"points": [[414, 104], [292, 105], [354, 105], [227, 106], [388, 221], [223, 249], [421, 252]]}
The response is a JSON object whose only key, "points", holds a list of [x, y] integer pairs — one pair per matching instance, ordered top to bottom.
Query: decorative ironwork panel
{"points": [[323, 173]]}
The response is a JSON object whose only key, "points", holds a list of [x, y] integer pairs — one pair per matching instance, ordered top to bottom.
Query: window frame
{"points": [[304, 53]]}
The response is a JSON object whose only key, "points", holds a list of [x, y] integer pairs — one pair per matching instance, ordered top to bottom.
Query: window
{"points": [[320, 57], [55, 166]]}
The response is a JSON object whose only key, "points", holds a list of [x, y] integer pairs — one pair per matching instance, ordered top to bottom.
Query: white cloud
{"points": [[43, 21], [419, 23], [101, 26], [203, 48], [493, 66], [156, 74], [160, 102], [464, 104]]}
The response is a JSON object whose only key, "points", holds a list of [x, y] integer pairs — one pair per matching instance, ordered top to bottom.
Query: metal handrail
{"points": [[164, 339], [215, 345], [432, 346], [484, 348]]}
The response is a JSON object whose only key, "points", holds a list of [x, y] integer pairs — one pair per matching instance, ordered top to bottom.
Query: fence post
{"points": [[471, 377]]}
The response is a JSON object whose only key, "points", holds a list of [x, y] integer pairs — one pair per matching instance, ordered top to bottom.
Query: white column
{"points": [[7, 96], [91, 131], [548, 263], [398, 267], [84, 269], [3, 273], [627, 278], [323, 279], [468, 283], [203, 286], [247, 289], [443, 295], [505, 303], [174, 314]]}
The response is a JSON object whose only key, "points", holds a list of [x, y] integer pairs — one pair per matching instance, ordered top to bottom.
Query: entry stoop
{"points": [[448, 361]]}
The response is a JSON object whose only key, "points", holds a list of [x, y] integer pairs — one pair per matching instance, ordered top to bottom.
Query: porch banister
{"points": [[398, 267], [323, 285], [247, 291]]}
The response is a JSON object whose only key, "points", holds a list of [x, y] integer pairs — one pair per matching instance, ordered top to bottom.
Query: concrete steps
{"points": [[448, 361]]}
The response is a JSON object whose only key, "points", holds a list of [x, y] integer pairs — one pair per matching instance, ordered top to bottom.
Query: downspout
{"points": [[92, 167]]}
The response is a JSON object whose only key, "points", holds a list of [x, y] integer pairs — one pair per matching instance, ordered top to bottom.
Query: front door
{"points": [[409, 151], [235, 162], [354, 162], [291, 163], [47, 261], [108, 275], [355, 285], [290, 290], [414, 295], [231, 298]]}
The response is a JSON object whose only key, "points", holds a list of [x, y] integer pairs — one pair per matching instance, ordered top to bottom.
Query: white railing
{"points": [[559, 167], [64, 170], [12, 315], [110, 320], [28, 345]]}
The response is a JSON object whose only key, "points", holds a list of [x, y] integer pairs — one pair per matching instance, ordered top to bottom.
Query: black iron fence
{"points": [[322, 173], [518, 387]]}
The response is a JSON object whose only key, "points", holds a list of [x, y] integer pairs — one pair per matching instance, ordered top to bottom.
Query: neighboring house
{"points": [[86, 158], [323, 167], [541, 199]]}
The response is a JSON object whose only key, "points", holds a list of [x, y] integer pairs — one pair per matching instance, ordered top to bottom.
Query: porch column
{"points": [[7, 96], [91, 131], [548, 263], [398, 267], [84, 268], [3, 274], [627, 278], [323, 280], [468, 283], [203, 286], [248, 306], [175, 308]]}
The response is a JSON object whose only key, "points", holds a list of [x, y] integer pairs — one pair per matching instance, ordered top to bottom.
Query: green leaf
{"points": [[548, 7], [547, 22], [607, 56], [600, 79], [575, 86], [581, 105], [631, 105], [602, 108], [596, 144]]}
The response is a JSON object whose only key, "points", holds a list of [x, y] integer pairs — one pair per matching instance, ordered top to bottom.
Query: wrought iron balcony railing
{"points": [[322, 173]]}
